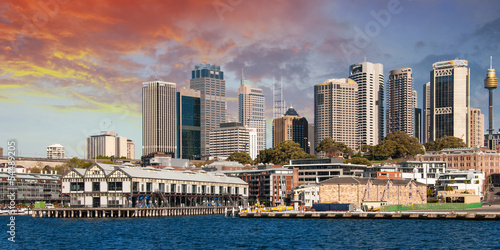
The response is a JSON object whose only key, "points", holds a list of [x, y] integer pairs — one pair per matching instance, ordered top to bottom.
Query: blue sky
{"points": [[72, 69]]}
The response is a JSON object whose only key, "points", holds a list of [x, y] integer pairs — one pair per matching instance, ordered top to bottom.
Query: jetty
{"points": [[121, 212], [376, 215]]}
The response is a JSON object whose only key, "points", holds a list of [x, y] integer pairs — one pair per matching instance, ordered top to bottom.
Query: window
{"points": [[76, 186], [96, 186], [115, 186], [148, 186], [135, 187], [162, 187], [172, 188], [193, 189]]}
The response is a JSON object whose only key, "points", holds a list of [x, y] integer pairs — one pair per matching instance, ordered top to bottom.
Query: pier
{"points": [[124, 212], [376, 215]]}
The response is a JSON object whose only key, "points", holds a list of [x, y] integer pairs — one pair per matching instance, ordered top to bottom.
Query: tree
{"points": [[445, 142], [397, 144], [406, 145], [331, 148], [384, 150], [282, 153], [265, 156], [241, 157], [358, 160], [108, 162], [78, 163], [35, 170]]}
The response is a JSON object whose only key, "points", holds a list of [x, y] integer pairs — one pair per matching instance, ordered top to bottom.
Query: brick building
{"points": [[477, 158], [356, 190]]}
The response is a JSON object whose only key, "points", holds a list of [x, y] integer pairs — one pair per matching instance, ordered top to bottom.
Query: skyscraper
{"points": [[370, 79], [209, 81], [449, 100], [401, 102], [251, 110], [335, 112], [158, 117], [188, 124], [426, 124], [290, 127], [476, 128]]}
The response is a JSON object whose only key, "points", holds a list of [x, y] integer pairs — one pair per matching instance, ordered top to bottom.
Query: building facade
{"points": [[370, 80], [209, 81], [449, 100], [401, 102], [252, 111], [335, 112], [158, 117], [188, 124], [291, 127], [476, 127], [230, 137], [493, 142], [109, 144], [55, 151], [482, 159], [313, 171], [470, 181], [104, 185], [267, 186], [30, 188], [356, 190]]}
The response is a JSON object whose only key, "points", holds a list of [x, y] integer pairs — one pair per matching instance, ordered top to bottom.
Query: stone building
{"points": [[356, 190]]}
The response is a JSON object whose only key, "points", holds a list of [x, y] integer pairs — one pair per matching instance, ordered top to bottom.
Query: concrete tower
{"points": [[490, 83]]}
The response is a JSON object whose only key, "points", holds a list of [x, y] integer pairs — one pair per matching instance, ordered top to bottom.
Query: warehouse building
{"points": [[105, 185]]}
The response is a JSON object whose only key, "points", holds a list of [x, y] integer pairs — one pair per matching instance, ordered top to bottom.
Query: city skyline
{"points": [[75, 69]]}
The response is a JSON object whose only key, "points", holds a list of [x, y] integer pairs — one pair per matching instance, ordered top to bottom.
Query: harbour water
{"points": [[219, 232]]}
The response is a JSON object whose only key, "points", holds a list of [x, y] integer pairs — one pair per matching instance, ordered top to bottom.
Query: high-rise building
{"points": [[370, 79], [209, 81], [449, 100], [400, 101], [251, 111], [335, 112], [158, 117], [188, 124], [418, 124], [426, 124], [290, 127], [476, 128], [230, 137], [311, 139], [253, 143], [109, 144], [130, 149], [55, 151]]}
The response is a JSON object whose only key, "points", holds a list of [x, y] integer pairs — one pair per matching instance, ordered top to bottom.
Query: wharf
{"points": [[121, 212], [376, 215]]}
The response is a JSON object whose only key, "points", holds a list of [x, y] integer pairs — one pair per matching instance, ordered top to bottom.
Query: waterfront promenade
{"points": [[124, 212], [427, 215]]}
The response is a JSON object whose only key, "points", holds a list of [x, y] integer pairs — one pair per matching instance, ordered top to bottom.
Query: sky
{"points": [[70, 69]]}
